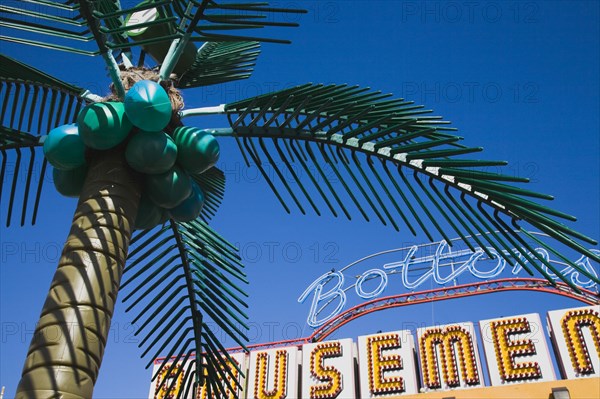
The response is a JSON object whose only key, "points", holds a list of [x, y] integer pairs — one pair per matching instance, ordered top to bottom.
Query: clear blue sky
{"points": [[520, 79]]}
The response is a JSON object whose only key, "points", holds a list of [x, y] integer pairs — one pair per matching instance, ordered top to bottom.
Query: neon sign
{"points": [[416, 265]]}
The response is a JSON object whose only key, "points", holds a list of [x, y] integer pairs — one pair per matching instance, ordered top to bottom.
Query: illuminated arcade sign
{"points": [[410, 267], [384, 364]]}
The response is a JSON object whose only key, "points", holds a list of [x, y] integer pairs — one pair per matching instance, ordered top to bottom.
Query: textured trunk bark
{"points": [[66, 351]]}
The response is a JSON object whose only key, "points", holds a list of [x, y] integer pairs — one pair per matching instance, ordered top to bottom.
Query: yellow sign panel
{"points": [[573, 324], [576, 336], [515, 347], [508, 350], [516, 350], [449, 357], [379, 364], [387, 364], [328, 370], [273, 374], [330, 377], [168, 383], [231, 387], [279, 390]]}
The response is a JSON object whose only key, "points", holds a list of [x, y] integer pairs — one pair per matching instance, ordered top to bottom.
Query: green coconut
{"points": [[148, 106], [103, 125], [64, 148], [197, 150], [151, 152], [70, 182], [169, 189], [191, 207], [149, 214]]}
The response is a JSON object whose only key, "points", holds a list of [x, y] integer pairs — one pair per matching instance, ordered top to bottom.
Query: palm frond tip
{"points": [[221, 62], [390, 159]]}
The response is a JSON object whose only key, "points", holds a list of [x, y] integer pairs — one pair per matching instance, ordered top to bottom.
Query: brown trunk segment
{"points": [[66, 351]]}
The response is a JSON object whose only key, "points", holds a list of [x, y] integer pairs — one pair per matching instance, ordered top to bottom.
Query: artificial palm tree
{"points": [[363, 151]]}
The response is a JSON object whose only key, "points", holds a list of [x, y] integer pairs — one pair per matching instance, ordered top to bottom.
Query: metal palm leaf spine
{"points": [[390, 160]]}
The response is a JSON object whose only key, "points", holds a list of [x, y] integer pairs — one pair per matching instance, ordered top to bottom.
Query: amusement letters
{"points": [[573, 324], [576, 335], [455, 348], [515, 348], [508, 350], [380, 364], [387, 364], [328, 370], [273, 373], [330, 378], [279, 380], [166, 382], [234, 383]]}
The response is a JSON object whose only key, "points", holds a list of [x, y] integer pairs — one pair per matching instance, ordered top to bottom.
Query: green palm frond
{"points": [[219, 17], [57, 25], [86, 27], [93, 27], [170, 27], [220, 62], [16, 70], [31, 104], [390, 160], [212, 183], [182, 279]]}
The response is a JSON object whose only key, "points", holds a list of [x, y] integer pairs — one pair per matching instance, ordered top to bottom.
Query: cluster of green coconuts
{"points": [[167, 161]]}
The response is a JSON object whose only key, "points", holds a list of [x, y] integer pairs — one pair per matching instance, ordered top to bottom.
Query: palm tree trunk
{"points": [[67, 348]]}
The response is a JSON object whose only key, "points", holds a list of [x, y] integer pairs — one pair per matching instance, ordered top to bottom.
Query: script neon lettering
{"points": [[443, 253], [459, 262], [369, 275], [575, 276], [335, 293]]}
